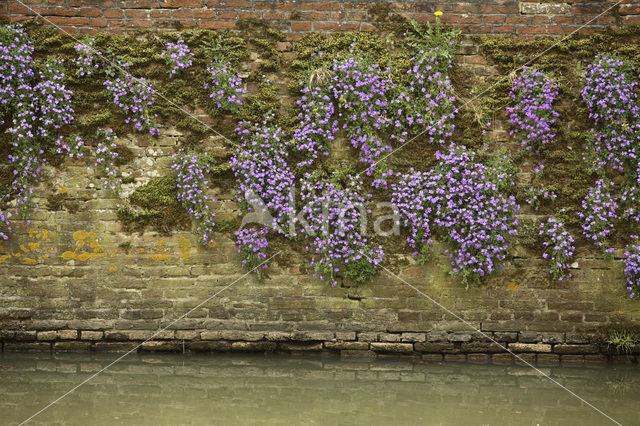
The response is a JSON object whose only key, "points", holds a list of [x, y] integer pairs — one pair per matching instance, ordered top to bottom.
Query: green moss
{"points": [[156, 205]]}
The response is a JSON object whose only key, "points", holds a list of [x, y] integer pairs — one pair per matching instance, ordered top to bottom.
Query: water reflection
{"points": [[176, 389]]}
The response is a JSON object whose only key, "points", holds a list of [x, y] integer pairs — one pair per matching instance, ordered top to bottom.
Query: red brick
{"points": [[94, 3], [181, 3], [229, 3], [140, 4], [272, 5], [319, 6], [18, 9], [629, 9], [64, 11], [89, 11], [113, 13], [160, 13], [183, 13], [139, 14], [204, 14], [227, 14], [249, 14], [272, 15], [314, 16], [449, 19], [470, 19], [493, 19], [517, 19], [63, 20], [540, 20], [607, 20], [631, 20], [98, 22], [141, 23], [190, 23], [217, 24], [301, 26], [334, 26], [365, 26], [554, 29], [531, 30]]}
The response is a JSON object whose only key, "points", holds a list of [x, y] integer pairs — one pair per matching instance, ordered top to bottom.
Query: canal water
{"points": [[255, 390]]}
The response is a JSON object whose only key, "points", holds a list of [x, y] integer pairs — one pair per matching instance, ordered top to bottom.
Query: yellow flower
{"points": [[438, 13]]}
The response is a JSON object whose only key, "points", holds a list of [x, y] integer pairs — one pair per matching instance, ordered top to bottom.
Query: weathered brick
{"points": [[533, 8], [47, 335], [91, 335], [71, 346], [161, 346], [209, 346], [253, 346], [300, 346], [358, 346], [27, 347], [382, 347], [483, 347], [530, 347], [575, 349]]}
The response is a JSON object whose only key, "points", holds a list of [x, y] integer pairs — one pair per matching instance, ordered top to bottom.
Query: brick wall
{"points": [[524, 18]]}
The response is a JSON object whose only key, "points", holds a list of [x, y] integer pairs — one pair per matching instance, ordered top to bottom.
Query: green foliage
{"points": [[424, 38], [154, 204], [361, 270], [622, 340]]}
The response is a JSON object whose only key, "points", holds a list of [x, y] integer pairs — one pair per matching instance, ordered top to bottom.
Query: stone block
{"points": [[533, 8], [68, 334], [25, 335], [47, 335], [91, 335], [234, 335], [312, 335], [346, 335], [368, 337], [413, 337], [459, 337], [505, 337], [71, 346], [161, 346], [209, 346], [253, 346], [299, 346], [354, 346], [27, 347], [436, 347], [481, 347], [530, 347], [401, 348], [575, 349], [349, 354], [478, 358], [548, 359]]}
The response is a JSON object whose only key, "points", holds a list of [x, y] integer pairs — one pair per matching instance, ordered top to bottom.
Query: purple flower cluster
{"points": [[178, 56], [87, 61], [16, 65], [226, 86], [134, 96], [611, 96], [44, 106], [427, 107], [532, 115], [318, 125], [71, 148], [106, 156], [192, 174], [263, 175], [630, 199], [459, 203], [600, 210], [336, 225], [252, 245], [559, 247], [632, 268]]}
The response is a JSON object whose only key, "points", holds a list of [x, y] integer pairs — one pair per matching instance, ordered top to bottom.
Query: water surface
{"points": [[227, 390]]}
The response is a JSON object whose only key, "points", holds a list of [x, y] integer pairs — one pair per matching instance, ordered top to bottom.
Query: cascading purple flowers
{"points": [[178, 56], [87, 60], [225, 86], [134, 96], [612, 100], [427, 107], [532, 116], [318, 124], [106, 156], [192, 173], [263, 176], [460, 204], [599, 211], [336, 227], [252, 245], [559, 247], [632, 267]]}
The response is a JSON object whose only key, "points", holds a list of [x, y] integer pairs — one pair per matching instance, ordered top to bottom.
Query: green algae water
{"points": [[232, 390]]}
